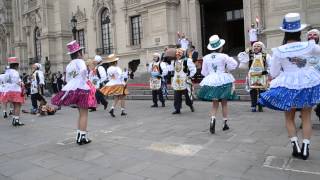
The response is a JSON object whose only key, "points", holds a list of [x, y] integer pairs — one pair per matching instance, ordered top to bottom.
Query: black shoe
{"points": [[163, 105], [105, 106], [154, 106], [192, 108], [92, 109], [260, 109], [176, 112], [10, 113], [112, 113], [123, 113], [5, 115], [16, 122], [213, 125], [225, 127], [83, 141], [296, 151], [305, 151]]}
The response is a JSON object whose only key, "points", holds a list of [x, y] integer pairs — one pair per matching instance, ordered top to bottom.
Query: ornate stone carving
{"points": [[80, 15]]}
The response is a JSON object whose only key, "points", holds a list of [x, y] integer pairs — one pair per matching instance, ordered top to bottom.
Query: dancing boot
{"points": [[112, 112], [123, 113], [5, 115], [16, 122], [212, 125], [225, 126], [83, 138], [305, 149], [296, 151]]}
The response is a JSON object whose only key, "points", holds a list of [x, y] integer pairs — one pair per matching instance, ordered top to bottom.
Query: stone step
{"points": [[170, 92], [170, 97]]}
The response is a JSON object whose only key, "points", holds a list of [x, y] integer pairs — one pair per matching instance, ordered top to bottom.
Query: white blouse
{"points": [[217, 62], [289, 65], [76, 76], [115, 76], [13, 81]]}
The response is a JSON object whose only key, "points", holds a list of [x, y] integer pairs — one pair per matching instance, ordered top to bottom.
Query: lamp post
{"points": [[74, 27]]}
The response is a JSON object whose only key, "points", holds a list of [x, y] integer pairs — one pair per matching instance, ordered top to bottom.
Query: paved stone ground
{"points": [[151, 144]]}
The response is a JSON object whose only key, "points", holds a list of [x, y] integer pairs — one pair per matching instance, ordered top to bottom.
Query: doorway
{"points": [[224, 18]]}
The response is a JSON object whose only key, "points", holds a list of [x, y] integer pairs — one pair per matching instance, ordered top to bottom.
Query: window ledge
{"points": [[134, 46]]}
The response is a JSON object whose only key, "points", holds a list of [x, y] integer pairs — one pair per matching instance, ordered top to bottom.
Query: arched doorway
{"points": [[224, 18]]}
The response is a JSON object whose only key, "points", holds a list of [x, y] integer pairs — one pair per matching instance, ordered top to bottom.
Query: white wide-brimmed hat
{"points": [[292, 23], [215, 43]]}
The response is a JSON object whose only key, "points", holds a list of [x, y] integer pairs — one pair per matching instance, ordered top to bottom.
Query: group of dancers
{"points": [[294, 68], [288, 80]]}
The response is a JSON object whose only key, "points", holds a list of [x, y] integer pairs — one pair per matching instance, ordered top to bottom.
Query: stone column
{"points": [[184, 17], [247, 19], [195, 24]]}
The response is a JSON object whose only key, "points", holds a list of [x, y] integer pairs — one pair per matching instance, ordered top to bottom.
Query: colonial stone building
{"points": [[36, 30]]}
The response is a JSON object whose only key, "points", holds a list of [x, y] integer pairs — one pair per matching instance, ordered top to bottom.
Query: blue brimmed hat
{"points": [[292, 23], [215, 43]]}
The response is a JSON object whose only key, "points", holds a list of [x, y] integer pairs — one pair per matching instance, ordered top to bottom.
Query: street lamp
{"points": [[74, 26]]}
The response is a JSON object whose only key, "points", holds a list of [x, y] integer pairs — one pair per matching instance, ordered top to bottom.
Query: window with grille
{"points": [[136, 30], [106, 32], [81, 39], [37, 44]]}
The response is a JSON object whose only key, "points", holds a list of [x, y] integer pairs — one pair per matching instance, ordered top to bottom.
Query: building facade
{"points": [[36, 30]]}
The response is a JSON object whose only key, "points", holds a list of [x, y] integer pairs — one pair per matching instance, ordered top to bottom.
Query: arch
{"points": [[106, 31], [37, 44]]}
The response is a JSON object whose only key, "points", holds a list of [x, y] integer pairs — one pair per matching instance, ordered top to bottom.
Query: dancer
{"points": [[314, 34], [258, 62], [158, 70], [184, 70], [99, 79], [37, 83], [218, 83], [116, 85], [296, 85], [14, 90], [78, 91], [4, 105]]}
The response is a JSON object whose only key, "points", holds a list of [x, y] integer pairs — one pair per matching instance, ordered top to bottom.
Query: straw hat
{"points": [[111, 58]]}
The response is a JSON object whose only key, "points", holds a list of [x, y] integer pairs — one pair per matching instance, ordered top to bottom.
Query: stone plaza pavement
{"points": [[151, 144]]}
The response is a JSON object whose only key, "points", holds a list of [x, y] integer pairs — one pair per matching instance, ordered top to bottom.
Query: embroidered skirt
{"points": [[115, 90], [223, 92], [79, 97], [284, 99]]}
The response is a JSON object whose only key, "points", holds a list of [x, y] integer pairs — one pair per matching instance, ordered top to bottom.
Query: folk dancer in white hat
{"points": [[257, 61], [184, 70], [158, 71], [98, 77], [218, 82], [37, 84], [116, 85], [295, 85], [13, 91], [78, 91]]}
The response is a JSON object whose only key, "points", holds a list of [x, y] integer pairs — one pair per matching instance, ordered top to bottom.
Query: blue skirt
{"points": [[284, 99]]}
